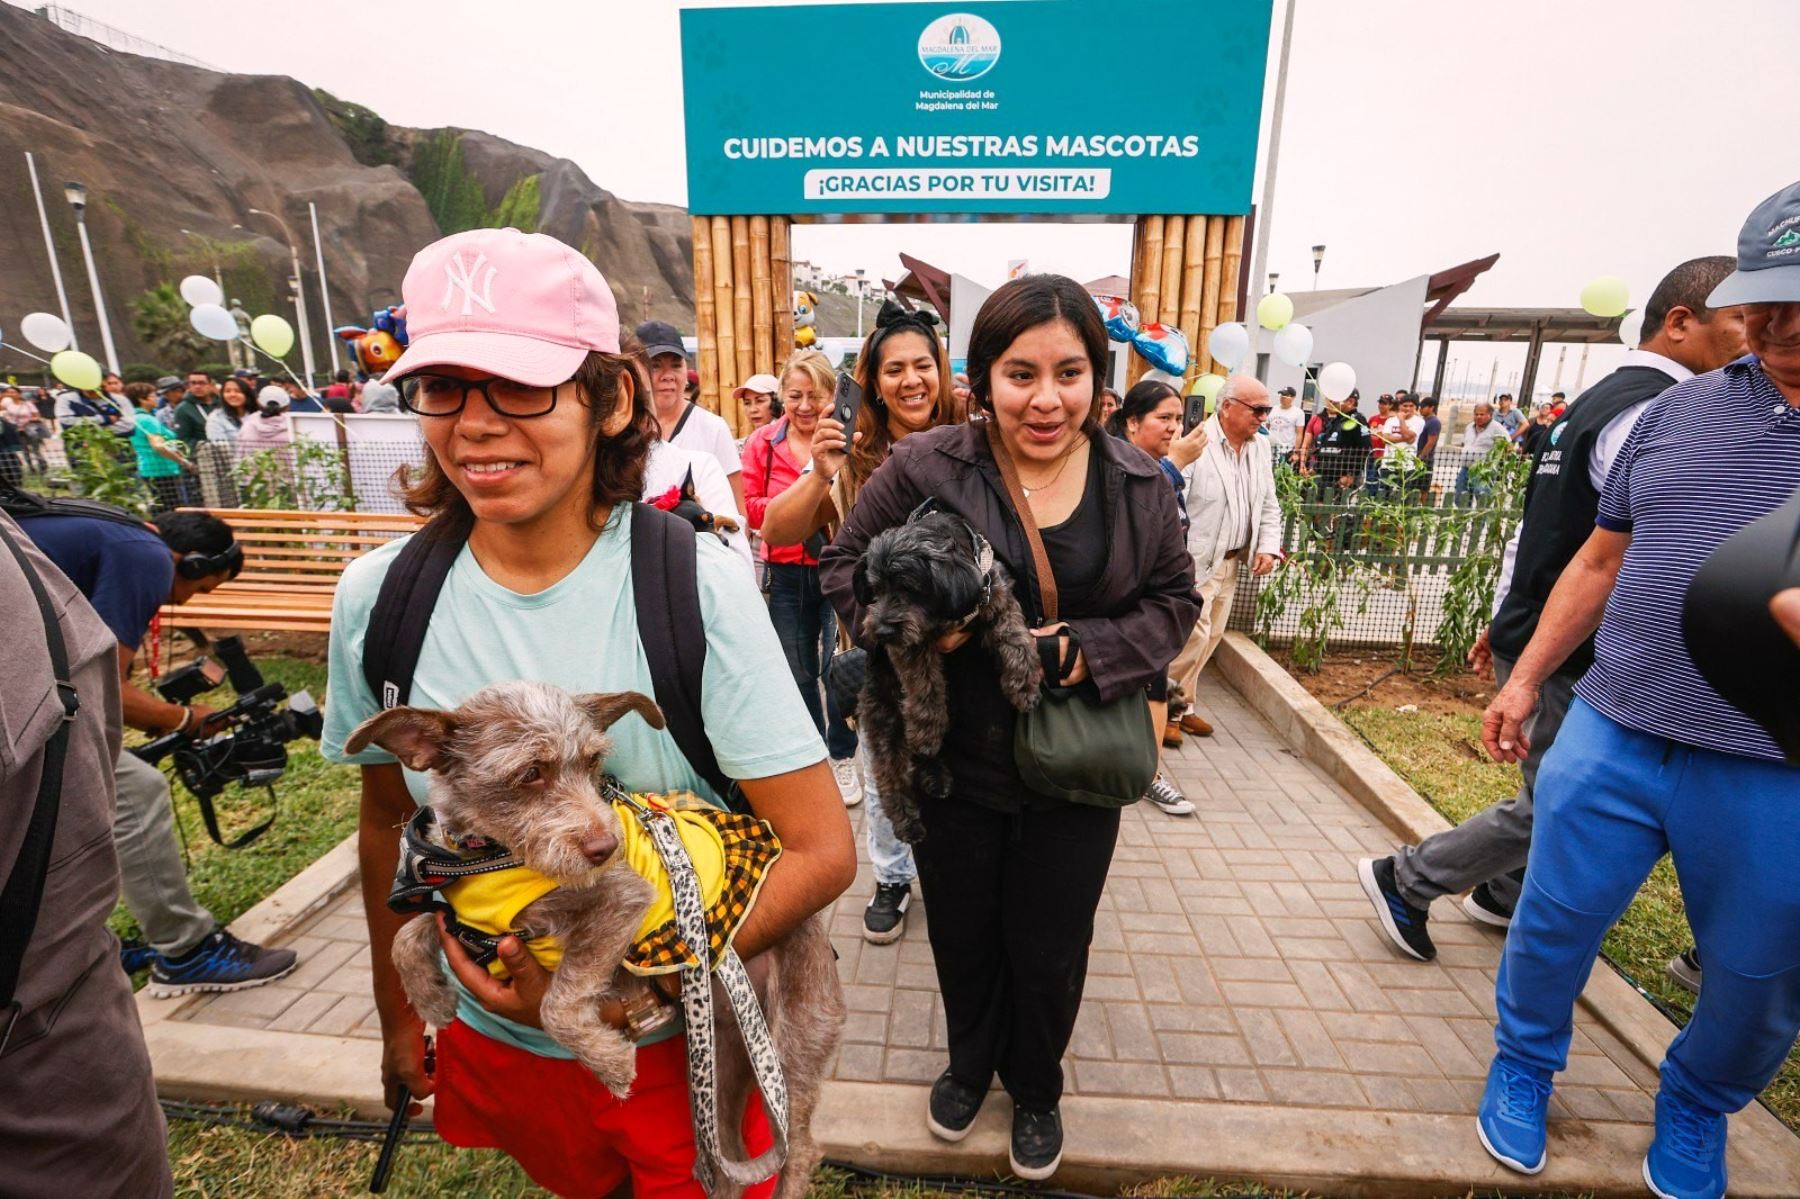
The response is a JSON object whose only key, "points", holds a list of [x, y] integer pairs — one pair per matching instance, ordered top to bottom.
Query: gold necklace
{"points": [[1067, 457]]}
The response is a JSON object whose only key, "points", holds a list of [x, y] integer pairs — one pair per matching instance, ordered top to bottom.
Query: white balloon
{"points": [[201, 289], [210, 320], [1631, 329], [46, 331], [1229, 344], [1294, 344], [1164, 377], [1336, 380]]}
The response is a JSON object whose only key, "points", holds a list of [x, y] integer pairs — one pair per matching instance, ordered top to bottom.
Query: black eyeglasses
{"points": [[445, 395], [1262, 410]]}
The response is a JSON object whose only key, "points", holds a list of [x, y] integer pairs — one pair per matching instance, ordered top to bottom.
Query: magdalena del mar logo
{"points": [[959, 47]]}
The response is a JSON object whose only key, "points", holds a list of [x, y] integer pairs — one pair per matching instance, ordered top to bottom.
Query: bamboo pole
{"points": [[1174, 240], [1234, 258], [1192, 269], [781, 270], [1146, 274], [1209, 295], [762, 304], [743, 308], [724, 309], [705, 321]]}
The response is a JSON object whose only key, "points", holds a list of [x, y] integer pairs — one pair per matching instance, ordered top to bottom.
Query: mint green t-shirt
{"points": [[152, 465], [581, 634]]}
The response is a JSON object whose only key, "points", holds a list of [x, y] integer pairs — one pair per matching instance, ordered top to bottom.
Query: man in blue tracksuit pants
{"points": [[1650, 758]]}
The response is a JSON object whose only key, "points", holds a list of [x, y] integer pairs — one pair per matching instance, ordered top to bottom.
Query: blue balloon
{"points": [[1162, 346]]}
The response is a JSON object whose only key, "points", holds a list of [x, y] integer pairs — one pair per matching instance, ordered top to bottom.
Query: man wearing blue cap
{"points": [[1651, 760]]}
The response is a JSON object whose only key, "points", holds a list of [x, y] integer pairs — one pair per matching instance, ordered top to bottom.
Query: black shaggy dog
{"points": [[918, 581]]}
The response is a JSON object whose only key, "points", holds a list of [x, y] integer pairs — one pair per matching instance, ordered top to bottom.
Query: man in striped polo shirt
{"points": [[1650, 759]]}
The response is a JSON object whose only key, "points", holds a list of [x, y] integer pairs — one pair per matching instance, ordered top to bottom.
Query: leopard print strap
{"points": [[702, 1049]]}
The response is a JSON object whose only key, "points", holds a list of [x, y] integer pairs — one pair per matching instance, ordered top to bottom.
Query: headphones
{"points": [[196, 565]]}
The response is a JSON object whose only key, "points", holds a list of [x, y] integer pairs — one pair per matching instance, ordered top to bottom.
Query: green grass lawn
{"points": [[1440, 754]]}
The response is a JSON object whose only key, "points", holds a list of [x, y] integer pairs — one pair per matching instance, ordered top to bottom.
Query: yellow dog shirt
{"points": [[731, 853]]}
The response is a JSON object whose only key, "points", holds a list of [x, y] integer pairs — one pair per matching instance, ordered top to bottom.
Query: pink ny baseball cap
{"points": [[522, 306]]}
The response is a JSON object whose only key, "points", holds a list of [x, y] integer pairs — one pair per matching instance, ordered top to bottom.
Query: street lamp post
{"points": [[77, 197], [207, 246], [1318, 261], [1274, 277], [62, 296], [859, 303], [331, 342], [306, 354]]}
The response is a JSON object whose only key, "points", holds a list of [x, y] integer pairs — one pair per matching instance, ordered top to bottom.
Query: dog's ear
{"points": [[859, 582], [607, 706], [417, 736]]}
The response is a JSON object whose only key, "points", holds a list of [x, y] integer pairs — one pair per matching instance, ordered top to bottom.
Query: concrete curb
{"points": [[1313, 731]]}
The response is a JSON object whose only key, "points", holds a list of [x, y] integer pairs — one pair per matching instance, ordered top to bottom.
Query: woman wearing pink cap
{"points": [[538, 423]]}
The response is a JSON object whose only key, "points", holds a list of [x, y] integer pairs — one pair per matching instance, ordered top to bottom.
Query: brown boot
{"points": [[1193, 724], [1172, 735]]}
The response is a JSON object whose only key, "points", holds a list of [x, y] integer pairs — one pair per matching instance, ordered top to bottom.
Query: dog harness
{"points": [[748, 847], [481, 887]]}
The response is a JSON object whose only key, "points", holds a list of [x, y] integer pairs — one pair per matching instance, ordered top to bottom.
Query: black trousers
{"points": [[1011, 901]]}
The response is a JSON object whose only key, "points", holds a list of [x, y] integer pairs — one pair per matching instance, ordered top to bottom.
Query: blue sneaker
{"points": [[1401, 921], [134, 955], [219, 963], [1514, 1109], [1687, 1158]]}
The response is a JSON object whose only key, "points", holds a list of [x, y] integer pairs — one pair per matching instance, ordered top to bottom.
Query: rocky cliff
{"points": [[174, 158]]}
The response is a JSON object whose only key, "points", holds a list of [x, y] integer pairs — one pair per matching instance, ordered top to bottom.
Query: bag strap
{"points": [[680, 424], [1040, 560], [665, 589], [402, 612], [24, 888]]}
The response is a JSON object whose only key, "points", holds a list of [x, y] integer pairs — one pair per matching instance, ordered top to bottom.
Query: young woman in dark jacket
{"points": [[1012, 877]]}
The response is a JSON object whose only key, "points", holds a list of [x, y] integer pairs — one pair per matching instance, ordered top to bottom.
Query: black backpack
{"points": [[665, 589]]}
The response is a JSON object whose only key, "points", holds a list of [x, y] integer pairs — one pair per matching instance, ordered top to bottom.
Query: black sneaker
{"points": [[1484, 907], [884, 920], [1403, 923], [134, 955], [219, 963], [1684, 969], [953, 1108], [1036, 1148]]}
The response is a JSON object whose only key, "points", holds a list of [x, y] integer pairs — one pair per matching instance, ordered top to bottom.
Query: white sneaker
{"points": [[849, 780], [1166, 796]]}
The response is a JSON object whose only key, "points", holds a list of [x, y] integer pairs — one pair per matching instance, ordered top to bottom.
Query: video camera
{"points": [[243, 743]]}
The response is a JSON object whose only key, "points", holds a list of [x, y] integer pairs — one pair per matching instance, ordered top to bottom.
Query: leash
{"points": [[710, 1160]]}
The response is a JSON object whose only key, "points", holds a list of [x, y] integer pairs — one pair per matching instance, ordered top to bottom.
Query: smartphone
{"points": [[847, 402], [1194, 413]]}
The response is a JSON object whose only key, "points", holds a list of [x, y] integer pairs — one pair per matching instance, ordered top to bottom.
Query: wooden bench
{"points": [[292, 561]]}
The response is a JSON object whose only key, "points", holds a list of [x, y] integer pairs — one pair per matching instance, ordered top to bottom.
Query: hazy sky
{"points": [[1576, 139]]}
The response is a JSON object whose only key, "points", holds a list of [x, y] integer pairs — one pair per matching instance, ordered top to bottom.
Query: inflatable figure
{"points": [[806, 320], [377, 347]]}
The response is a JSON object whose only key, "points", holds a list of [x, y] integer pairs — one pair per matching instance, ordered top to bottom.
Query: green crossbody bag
{"points": [[1072, 746]]}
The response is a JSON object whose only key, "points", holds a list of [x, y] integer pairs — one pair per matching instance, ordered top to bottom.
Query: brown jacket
{"points": [[1147, 604], [78, 1110]]}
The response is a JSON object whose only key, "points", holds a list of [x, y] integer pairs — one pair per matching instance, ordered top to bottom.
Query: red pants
{"points": [[568, 1132]]}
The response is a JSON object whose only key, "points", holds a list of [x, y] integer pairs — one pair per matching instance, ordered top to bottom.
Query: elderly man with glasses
{"points": [[1233, 515]]}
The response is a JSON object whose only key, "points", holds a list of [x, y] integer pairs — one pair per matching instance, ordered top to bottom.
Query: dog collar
{"points": [[984, 562], [426, 864]]}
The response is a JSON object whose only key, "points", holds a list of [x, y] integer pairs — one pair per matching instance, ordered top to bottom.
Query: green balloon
{"points": [[1606, 296], [1274, 311], [272, 334], [76, 369]]}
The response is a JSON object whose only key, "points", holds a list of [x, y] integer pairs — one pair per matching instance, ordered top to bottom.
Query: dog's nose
{"points": [[886, 632], [597, 847]]}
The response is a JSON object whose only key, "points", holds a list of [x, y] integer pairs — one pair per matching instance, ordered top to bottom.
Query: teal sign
{"points": [[1033, 106]]}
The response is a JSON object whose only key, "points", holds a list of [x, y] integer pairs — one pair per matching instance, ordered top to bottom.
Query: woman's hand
{"points": [[830, 448], [1185, 450], [1078, 672], [518, 998], [403, 1061]]}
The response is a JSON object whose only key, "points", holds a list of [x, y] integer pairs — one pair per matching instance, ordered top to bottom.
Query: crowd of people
{"points": [[1124, 528]]}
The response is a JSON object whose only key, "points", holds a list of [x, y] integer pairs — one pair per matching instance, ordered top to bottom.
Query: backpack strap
{"points": [[665, 589], [402, 612], [24, 888]]}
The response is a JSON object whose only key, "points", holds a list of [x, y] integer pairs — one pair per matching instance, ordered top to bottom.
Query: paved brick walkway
{"points": [[1235, 960]]}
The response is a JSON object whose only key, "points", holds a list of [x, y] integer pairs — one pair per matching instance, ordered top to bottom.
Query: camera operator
{"points": [[128, 572], [78, 1113]]}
